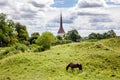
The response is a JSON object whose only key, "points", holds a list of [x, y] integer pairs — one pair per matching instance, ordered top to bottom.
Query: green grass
{"points": [[100, 60]]}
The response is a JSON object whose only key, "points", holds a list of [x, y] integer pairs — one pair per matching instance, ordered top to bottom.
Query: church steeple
{"points": [[61, 31]]}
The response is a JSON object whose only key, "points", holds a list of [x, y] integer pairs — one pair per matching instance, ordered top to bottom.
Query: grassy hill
{"points": [[100, 60]]}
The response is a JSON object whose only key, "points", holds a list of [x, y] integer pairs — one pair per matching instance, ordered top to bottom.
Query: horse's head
{"points": [[68, 66], [80, 66]]}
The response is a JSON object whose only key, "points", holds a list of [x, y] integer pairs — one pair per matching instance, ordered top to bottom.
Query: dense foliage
{"points": [[11, 32], [7, 33], [22, 33], [109, 34], [73, 35], [33, 37], [45, 40]]}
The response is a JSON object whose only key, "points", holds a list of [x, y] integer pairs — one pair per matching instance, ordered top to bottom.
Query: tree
{"points": [[2, 17], [11, 23], [11, 32], [22, 32], [112, 33], [7, 34], [109, 34], [73, 35], [105, 35], [92, 36], [95, 36], [99, 36], [33, 37], [59, 37], [45, 40]]}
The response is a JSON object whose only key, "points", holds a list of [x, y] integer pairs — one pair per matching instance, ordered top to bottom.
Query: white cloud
{"points": [[87, 16]]}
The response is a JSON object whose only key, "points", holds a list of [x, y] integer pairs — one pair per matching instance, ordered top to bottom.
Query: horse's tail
{"points": [[68, 66]]}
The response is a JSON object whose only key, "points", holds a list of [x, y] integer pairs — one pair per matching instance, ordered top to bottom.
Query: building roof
{"points": [[61, 30]]}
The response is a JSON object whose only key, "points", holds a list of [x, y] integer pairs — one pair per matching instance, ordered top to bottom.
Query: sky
{"points": [[86, 16]]}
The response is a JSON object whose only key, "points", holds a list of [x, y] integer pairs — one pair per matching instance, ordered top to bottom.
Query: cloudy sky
{"points": [[86, 16]]}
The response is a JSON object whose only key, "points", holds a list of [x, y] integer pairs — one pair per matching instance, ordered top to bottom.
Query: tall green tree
{"points": [[2, 17], [22, 32], [7, 33], [109, 34], [73, 35], [92, 36], [45, 40]]}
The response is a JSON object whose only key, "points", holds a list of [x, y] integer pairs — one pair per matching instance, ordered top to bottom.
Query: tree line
{"points": [[13, 32], [105, 35]]}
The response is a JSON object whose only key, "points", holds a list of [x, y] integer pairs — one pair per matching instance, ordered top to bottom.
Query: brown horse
{"points": [[72, 65]]}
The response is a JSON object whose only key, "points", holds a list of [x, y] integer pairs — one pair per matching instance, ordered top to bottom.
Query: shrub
{"points": [[45, 40], [62, 42], [20, 47], [16, 48], [36, 48], [39, 49], [7, 52]]}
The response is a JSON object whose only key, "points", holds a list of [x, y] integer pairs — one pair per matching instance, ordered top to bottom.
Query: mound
{"points": [[100, 61]]}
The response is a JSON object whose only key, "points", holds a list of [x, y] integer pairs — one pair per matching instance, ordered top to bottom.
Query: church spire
{"points": [[61, 30]]}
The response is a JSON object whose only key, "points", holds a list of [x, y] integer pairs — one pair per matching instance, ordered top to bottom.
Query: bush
{"points": [[92, 40], [68, 41], [62, 42], [26, 43], [20, 47], [36, 48], [15, 49], [39, 49], [7, 52]]}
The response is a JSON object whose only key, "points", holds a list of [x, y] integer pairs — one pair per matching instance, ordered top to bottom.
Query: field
{"points": [[100, 60]]}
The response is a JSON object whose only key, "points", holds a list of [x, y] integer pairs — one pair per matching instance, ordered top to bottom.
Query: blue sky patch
{"points": [[64, 3]]}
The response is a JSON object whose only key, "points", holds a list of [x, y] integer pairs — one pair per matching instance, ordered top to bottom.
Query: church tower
{"points": [[61, 31]]}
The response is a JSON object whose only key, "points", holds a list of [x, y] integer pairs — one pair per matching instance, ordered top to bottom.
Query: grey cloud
{"points": [[3, 3], [37, 4], [86, 5], [89, 5], [28, 10], [90, 14], [28, 15], [15, 16], [23, 16], [100, 19], [66, 20], [52, 25], [98, 26], [104, 27]]}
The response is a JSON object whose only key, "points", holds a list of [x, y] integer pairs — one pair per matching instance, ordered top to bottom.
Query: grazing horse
{"points": [[72, 65]]}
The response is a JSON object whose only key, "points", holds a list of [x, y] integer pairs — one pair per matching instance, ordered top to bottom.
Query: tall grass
{"points": [[15, 49], [98, 63]]}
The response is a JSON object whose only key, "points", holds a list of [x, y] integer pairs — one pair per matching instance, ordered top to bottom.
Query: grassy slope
{"points": [[100, 61]]}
